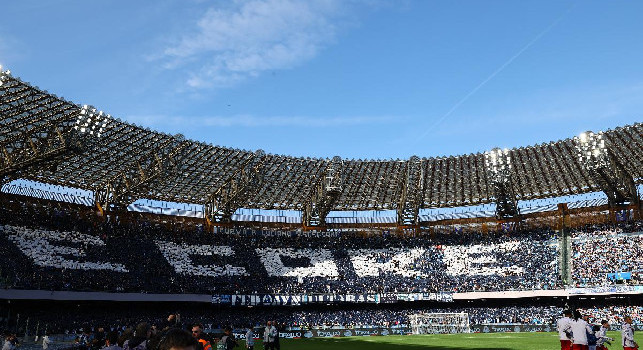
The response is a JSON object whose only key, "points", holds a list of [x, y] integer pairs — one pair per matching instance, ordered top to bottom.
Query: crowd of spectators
{"points": [[54, 248], [600, 251], [144, 256], [614, 314], [399, 317]]}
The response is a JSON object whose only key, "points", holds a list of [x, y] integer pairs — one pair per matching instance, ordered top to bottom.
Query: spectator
{"points": [[197, 333], [141, 336], [178, 339], [111, 341]]}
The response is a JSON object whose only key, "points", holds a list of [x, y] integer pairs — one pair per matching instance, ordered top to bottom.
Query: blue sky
{"points": [[360, 79]]}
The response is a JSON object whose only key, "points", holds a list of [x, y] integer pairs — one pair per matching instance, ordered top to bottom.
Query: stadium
{"points": [[110, 229]]}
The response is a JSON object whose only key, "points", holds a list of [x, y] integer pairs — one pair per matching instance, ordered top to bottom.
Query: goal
{"points": [[439, 323]]}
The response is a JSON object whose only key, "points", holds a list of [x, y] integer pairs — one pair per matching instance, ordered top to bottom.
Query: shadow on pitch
{"points": [[358, 343]]}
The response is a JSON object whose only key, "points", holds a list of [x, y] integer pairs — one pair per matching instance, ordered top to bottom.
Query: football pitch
{"points": [[487, 341]]}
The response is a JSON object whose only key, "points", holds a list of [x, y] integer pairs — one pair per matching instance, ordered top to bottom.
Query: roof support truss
{"points": [[49, 140], [605, 169], [499, 171], [143, 172], [234, 192], [411, 193], [324, 195]]}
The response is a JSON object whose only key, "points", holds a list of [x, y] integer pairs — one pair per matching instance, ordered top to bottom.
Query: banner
{"points": [[619, 276], [606, 289], [343, 298], [387, 298], [222, 299], [299, 299], [265, 300], [515, 328], [357, 332], [240, 334]]}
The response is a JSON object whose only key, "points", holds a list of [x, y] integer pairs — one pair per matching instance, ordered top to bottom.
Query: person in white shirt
{"points": [[561, 326], [579, 329], [627, 335], [601, 336], [268, 337], [45, 342]]}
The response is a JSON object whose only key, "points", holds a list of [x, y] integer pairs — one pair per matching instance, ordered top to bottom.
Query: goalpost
{"points": [[439, 323]]}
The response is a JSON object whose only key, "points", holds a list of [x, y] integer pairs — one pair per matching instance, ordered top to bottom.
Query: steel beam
{"points": [[498, 164], [605, 169], [144, 171], [234, 192], [411, 193], [324, 195]]}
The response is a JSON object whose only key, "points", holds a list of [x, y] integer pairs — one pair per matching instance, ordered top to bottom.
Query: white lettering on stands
{"points": [[40, 245], [178, 255], [479, 259], [397, 261], [321, 262], [329, 334]]}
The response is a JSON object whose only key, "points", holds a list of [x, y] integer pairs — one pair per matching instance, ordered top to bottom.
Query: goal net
{"points": [[439, 323]]}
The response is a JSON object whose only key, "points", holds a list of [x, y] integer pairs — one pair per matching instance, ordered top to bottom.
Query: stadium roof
{"points": [[48, 139]]}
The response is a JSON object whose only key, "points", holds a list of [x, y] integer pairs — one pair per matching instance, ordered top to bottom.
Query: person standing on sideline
{"points": [[561, 326], [627, 335], [268, 336], [250, 338], [46, 341], [227, 342], [275, 342]]}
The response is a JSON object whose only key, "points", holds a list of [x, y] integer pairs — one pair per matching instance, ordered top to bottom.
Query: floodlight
{"points": [[89, 121], [592, 152], [498, 164]]}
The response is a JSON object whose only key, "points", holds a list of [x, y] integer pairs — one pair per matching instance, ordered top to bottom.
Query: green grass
{"points": [[488, 341]]}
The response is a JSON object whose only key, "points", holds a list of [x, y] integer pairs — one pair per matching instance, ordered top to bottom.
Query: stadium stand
{"points": [[98, 240], [601, 252], [157, 261], [74, 318]]}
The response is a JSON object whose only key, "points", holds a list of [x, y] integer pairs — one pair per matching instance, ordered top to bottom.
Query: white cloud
{"points": [[231, 44], [255, 121]]}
